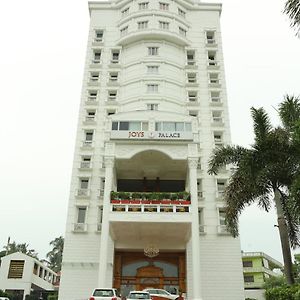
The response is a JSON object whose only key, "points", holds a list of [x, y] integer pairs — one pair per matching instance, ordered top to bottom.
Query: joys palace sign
{"points": [[151, 135]]}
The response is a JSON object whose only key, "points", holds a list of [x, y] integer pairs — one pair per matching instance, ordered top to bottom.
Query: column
{"points": [[193, 162], [102, 273]]}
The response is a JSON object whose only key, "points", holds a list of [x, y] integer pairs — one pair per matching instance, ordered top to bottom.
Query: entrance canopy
{"points": [[151, 164], [137, 235]]}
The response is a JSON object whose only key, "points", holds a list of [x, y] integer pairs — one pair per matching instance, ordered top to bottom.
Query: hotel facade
{"points": [[143, 212]]}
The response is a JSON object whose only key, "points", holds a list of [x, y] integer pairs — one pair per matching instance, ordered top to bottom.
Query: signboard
{"points": [[151, 135]]}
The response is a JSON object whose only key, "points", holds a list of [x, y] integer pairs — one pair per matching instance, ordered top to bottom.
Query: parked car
{"points": [[105, 294], [157, 294], [133, 295], [4, 298]]}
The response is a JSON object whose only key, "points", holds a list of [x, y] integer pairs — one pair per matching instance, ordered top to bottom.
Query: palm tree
{"points": [[292, 10], [263, 173], [14, 247], [55, 255]]}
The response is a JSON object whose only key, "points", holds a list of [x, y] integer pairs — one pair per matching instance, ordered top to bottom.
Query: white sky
{"points": [[42, 54]]}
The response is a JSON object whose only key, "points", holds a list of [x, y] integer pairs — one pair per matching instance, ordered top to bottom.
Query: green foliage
{"points": [[292, 10], [13, 247], [55, 255], [297, 267], [274, 281], [283, 293], [3, 294], [53, 297]]}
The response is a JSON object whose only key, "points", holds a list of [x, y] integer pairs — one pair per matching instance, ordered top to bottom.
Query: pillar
{"points": [[195, 240], [103, 258]]}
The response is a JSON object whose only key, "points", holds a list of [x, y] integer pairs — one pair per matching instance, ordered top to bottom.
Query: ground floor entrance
{"points": [[135, 271]]}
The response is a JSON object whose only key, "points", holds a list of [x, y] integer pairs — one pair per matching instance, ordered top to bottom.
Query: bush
{"points": [[283, 293], [52, 297]]}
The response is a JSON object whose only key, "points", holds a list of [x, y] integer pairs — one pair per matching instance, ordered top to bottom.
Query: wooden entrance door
{"points": [[149, 276]]}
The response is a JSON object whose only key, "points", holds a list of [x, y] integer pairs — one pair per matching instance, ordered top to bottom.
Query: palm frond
{"points": [[292, 10], [289, 111], [261, 123], [225, 155], [242, 191], [291, 218]]}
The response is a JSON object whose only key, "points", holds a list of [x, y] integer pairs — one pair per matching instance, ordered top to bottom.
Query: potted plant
{"points": [[114, 197]]}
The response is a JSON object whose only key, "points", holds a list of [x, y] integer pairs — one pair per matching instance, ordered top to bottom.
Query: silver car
{"points": [[134, 295]]}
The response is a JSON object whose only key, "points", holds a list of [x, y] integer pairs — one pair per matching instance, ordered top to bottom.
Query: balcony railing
{"points": [[83, 193], [150, 208], [80, 227]]}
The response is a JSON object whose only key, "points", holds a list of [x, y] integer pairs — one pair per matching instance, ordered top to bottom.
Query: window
{"points": [[143, 5], [163, 6], [125, 12], [181, 12], [143, 25], [163, 25], [124, 30], [182, 31], [98, 35], [210, 37], [152, 50], [190, 55], [97, 56], [115, 56], [212, 61], [152, 69], [94, 76], [113, 77], [192, 77], [214, 78], [152, 88], [112, 95], [92, 96], [192, 96], [215, 97], [152, 106], [111, 112], [193, 113], [90, 115], [217, 116], [134, 125], [172, 126], [89, 135], [218, 139], [85, 162], [84, 183], [221, 184], [199, 188], [81, 214], [100, 214], [222, 214], [200, 219], [247, 263], [16, 268], [35, 269], [248, 278]]}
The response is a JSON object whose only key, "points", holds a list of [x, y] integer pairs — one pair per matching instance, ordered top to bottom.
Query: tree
{"points": [[292, 10], [263, 173], [13, 247], [55, 255]]}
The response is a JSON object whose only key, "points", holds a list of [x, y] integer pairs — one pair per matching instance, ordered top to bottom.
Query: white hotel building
{"points": [[143, 212]]}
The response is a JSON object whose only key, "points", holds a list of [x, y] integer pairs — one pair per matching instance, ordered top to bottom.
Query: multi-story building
{"points": [[143, 212], [257, 267], [20, 275]]}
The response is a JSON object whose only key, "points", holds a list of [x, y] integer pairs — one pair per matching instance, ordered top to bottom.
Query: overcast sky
{"points": [[42, 54]]}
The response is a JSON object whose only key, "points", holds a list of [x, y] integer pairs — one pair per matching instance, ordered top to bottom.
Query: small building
{"points": [[257, 267], [21, 274]]}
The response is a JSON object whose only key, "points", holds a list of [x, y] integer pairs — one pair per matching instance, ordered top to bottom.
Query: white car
{"points": [[161, 293], [105, 294], [134, 295]]}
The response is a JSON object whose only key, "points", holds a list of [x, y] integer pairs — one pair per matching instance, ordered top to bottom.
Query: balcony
{"points": [[153, 34], [85, 165], [79, 227]]}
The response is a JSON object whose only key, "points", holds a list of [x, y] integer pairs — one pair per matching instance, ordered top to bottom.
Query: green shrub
{"points": [[283, 293], [52, 297]]}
